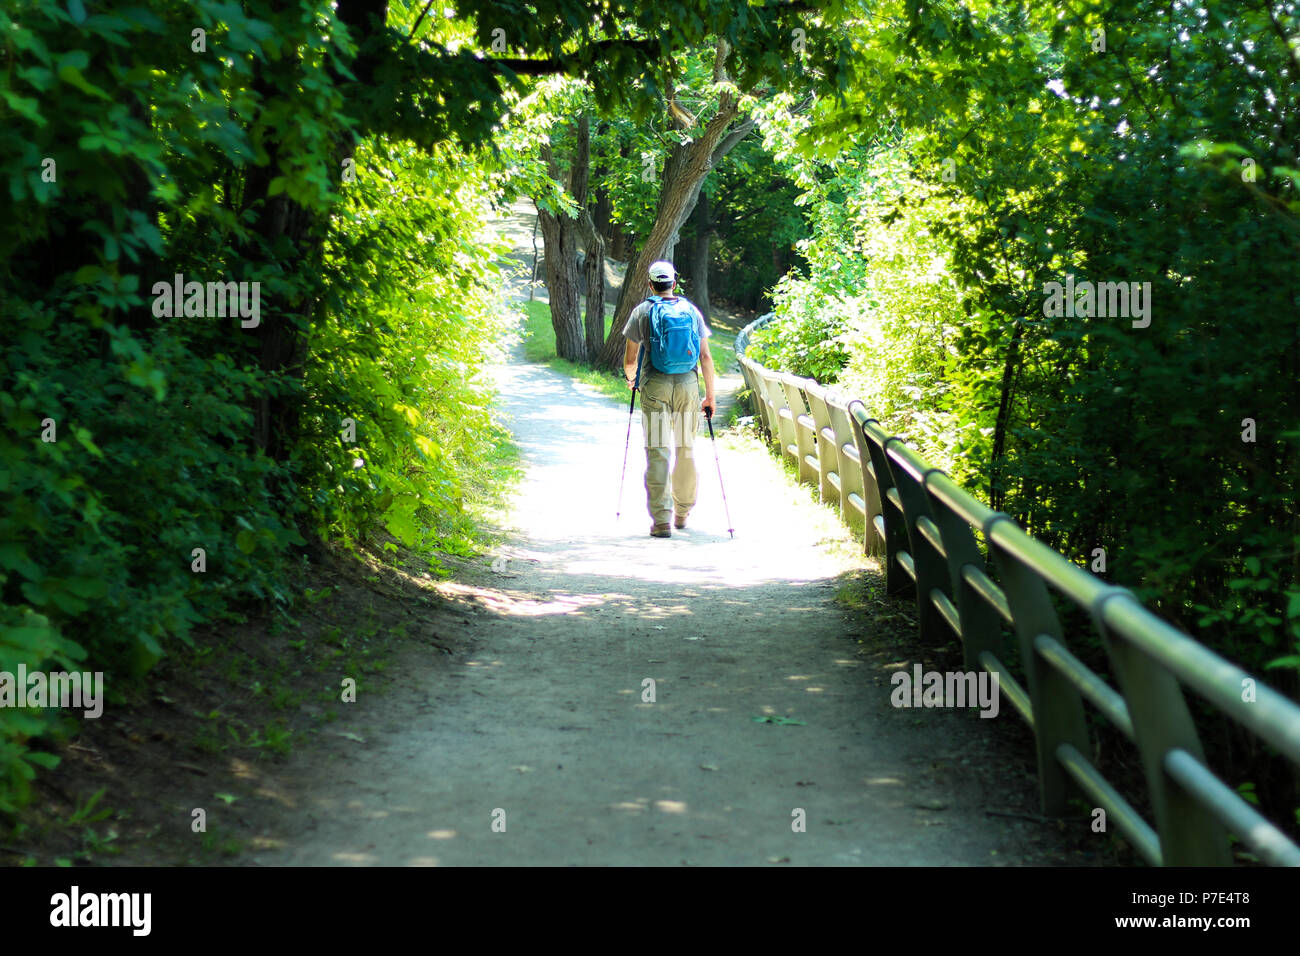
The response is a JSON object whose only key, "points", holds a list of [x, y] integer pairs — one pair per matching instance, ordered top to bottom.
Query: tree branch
{"points": [[419, 20], [720, 61], [550, 65], [681, 117], [728, 142], [552, 167]]}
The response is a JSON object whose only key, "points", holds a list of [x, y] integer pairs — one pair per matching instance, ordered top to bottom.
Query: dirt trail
{"points": [[545, 720]]}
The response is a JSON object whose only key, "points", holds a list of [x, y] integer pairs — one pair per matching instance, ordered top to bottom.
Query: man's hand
{"points": [[707, 406]]}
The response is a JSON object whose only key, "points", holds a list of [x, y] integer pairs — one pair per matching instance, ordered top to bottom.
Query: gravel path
{"points": [[542, 744]]}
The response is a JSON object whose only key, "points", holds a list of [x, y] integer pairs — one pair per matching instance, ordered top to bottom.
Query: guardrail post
{"points": [[755, 394], [762, 401], [782, 424], [804, 427], [828, 456], [851, 472], [891, 510], [874, 542], [931, 568], [981, 627], [1057, 705], [1189, 834]]}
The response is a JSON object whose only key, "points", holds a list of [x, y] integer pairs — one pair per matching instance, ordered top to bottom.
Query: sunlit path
{"points": [[551, 720]]}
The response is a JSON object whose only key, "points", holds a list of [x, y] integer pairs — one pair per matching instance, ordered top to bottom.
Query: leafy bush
{"points": [[1007, 154], [877, 312], [808, 344], [402, 352], [132, 439]]}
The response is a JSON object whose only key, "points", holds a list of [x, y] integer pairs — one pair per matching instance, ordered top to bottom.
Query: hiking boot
{"points": [[679, 521], [661, 531]]}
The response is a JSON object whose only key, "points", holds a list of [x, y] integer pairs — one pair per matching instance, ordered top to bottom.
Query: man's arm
{"points": [[629, 363], [706, 365]]}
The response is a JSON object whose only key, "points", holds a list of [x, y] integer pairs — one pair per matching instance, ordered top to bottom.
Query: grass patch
{"points": [[539, 337], [539, 346], [724, 354], [610, 384]]}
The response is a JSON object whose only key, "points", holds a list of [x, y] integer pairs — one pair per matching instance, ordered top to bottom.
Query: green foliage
{"points": [[1032, 154], [757, 225], [418, 307], [877, 311], [808, 344], [539, 346], [132, 438], [86, 812]]}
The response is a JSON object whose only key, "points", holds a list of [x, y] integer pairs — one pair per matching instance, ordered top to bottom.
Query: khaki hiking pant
{"points": [[670, 416]]}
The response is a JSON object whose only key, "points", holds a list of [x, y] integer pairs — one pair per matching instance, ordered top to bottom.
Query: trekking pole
{"points": [[709, 418], [627, 444]]}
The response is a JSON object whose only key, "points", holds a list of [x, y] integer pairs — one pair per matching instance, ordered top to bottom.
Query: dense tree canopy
{"points": [[999, 149], [248, 283]]}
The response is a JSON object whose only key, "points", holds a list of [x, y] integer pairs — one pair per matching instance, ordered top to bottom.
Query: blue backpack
{"points": [[674, 336]]}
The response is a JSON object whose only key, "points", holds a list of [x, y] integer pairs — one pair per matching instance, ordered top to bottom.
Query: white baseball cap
{"points": [[662, 271]]}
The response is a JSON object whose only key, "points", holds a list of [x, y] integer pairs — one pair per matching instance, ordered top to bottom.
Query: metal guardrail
{"points": [[742, 337], [922, 524]]}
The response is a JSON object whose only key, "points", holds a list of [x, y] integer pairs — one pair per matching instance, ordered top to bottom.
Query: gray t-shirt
{"points": [[637, 328]]}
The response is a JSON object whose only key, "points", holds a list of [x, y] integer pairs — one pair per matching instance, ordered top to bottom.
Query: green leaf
{"points": [[70, 72], [24, 106], [84, 439], [13, 556], [86, 587]]}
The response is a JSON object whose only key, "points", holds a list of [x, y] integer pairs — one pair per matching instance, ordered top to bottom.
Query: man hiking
{"points": [[666, 340]]}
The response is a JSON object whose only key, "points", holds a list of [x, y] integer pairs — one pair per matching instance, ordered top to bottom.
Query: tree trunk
{"points": [[683, 175], [602, 209], [560, 237], [593, 243], [619, 247], [697, 267], [594, 269], [285, 321], [283, 333], [997, 489]]}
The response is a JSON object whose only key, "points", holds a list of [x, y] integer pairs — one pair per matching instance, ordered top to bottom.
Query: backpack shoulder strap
{"points": [[654, 302]]}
